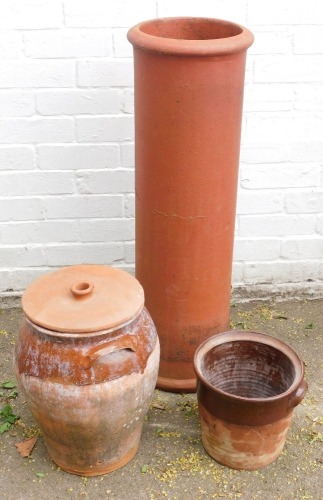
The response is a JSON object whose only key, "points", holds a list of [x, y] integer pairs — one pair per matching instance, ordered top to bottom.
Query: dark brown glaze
{"points": [[87, 358]]}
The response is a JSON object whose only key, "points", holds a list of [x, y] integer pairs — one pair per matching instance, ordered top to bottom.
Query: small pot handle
{"points": [[299, 394]]}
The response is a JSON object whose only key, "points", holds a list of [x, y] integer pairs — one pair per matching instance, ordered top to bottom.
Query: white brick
{"points": [[235, 10], [284, 12], [101, 13], [31, 14], [279, 14], [308, 39], [277, 40], [68, 43], [11, 44], [121, 46], [299, 68], [249, 69], [105, 73], [30, 74], [264, 97], [309, 97], [128, 101], [76, 102], [16, 103], [281, 127], [104, 129], [29, 130], [310, 151], [263, 152], [128, 154], [78, 156], [17, 158], [280, 176], [113, 181], [35, 183], [260, 202], [304, 202], [130, 203], [78, 207], [21, 209], [276, 225], [236, 226], [319, 226], [107, 230], [39, 232], [246, 249], [296, 249], [129, 252], [99, 253], [27, 255], [306, 270], [280, 271], [237, 272], [262, 272], [19, 279], [5, 282]]}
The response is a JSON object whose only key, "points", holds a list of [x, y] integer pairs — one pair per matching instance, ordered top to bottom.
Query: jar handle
{"points": [[126, 342], [119, 344], [299, 394]]}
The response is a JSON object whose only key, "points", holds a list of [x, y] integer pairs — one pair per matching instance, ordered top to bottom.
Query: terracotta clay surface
{"points": [[189, 78], [84, 298], [248, 386], [89, 391]]}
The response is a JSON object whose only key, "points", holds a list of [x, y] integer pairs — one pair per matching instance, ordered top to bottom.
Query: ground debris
{"points": [[158, 406], [26, 447]]}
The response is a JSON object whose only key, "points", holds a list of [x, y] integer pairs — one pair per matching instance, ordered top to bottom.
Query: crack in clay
{"points": [[190, 217]]}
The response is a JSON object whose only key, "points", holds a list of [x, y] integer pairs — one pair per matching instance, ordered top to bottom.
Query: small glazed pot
{"points": [[87, 360], [248, 386]]}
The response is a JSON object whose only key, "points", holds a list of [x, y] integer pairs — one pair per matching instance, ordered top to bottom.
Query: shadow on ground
{"points": [[171, 462]]}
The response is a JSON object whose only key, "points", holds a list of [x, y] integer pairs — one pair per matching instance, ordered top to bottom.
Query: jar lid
{"points": [[83, 299]]}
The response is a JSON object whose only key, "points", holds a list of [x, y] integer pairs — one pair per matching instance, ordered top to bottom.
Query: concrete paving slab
{"points": [[171, 462]]}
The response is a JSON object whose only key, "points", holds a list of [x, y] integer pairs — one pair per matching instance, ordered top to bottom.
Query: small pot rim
{"points": [[190, 47], [251, 336]]}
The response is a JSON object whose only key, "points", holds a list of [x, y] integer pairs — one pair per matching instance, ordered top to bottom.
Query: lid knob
{"points": [[81, 288]]}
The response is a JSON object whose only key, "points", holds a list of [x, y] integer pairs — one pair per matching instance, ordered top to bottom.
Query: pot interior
{"points": [[191, 28], [248, 369]]}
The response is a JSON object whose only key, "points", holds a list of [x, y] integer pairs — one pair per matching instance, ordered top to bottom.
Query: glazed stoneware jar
{"points": [[87, 359], [248, 386]]}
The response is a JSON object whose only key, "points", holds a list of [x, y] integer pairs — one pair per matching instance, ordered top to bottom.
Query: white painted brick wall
{"points": [[67, 43], [105, 72], [48, 73], [73, 102], [104, 128], [66, 136], [78, 156]]}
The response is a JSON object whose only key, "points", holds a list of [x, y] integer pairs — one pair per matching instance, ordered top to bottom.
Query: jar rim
{"points": [[190, 36], [243, 335]]}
